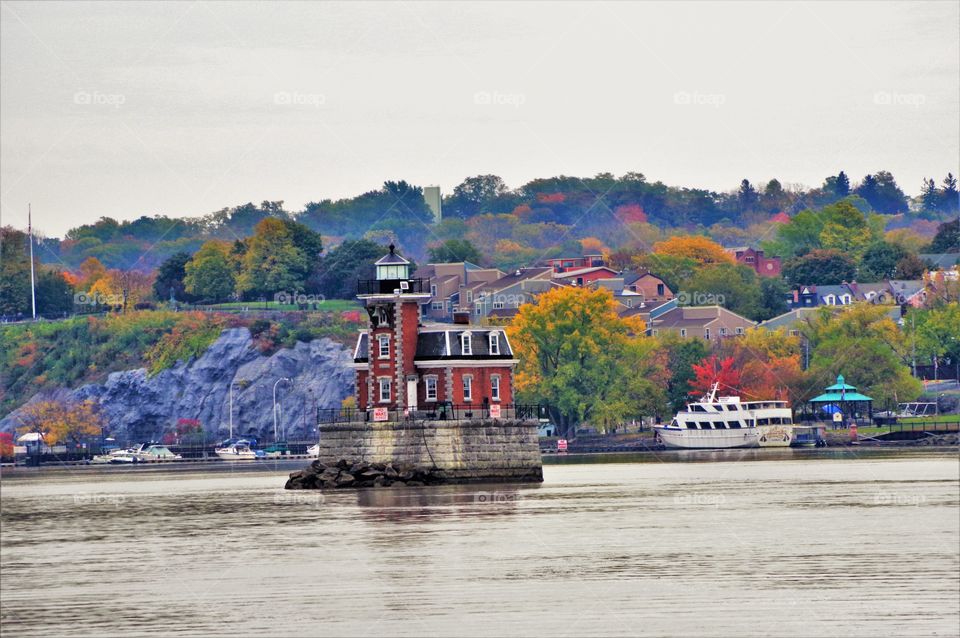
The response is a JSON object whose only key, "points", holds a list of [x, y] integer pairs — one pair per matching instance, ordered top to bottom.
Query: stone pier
{"points": [[462, 451]]}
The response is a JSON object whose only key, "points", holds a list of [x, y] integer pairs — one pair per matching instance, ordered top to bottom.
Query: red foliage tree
{"points": [[551, 198], [631, 214], [713, 370]]}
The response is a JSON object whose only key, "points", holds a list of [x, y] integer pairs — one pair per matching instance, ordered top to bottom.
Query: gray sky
{"points": [[183, 108]]}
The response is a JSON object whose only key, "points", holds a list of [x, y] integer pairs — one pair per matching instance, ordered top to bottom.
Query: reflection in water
{"points": [[826, 544]]}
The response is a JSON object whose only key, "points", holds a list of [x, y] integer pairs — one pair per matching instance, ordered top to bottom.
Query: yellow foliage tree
{"points": [[701, 249], [577, 356], [60, 422]]}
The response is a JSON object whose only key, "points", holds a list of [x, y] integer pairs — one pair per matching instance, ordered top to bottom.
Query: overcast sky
{"points": [[183, 108]]}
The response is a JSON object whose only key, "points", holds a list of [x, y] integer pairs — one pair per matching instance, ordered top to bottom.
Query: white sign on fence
{"points": [[494, 411], [381, 414]]}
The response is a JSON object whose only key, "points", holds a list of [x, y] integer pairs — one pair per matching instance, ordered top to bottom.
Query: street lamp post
{"points": [[275, 405]]}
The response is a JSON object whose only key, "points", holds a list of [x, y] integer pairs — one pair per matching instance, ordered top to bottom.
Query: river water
{"points": [[810, 544]]}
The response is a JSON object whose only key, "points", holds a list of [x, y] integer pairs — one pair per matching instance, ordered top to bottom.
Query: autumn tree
{"points": [[700, 249], [273, 262], [210, 274], [681, 355], [577, 356], [714, 370], [61, 422]]}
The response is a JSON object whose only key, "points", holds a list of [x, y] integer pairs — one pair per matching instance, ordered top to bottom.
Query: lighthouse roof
{"points": [[392, 258]]}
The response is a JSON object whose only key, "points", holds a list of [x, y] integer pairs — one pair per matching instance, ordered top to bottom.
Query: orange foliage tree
{"points": [[701, 249], [61, 422], [6, 444]]}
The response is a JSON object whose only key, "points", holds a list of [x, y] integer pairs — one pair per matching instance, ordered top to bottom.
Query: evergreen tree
{"points": [[842, 185], [929, 195], [747, 196], [949, 197]]}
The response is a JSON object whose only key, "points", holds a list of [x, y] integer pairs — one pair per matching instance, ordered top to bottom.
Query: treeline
{"points": [[543, 215]]}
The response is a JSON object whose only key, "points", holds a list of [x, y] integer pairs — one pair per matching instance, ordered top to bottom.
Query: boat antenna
{"points": [[712, 396]]}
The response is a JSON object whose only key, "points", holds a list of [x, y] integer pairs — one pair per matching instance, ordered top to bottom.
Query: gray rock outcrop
{"points": [[141, 407]]}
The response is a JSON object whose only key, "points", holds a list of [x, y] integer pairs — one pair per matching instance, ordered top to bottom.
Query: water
{"points": [[826, 544]]}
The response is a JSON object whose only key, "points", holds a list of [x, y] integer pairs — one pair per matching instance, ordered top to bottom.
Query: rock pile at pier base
{"points": [[346, 474]]}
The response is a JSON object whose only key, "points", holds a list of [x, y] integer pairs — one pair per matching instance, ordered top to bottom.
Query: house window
{"points": [[433, 290], [660, 290], [469, 296], [830, 299], [845, 300], [437, 305], [497, 305], [478, 308], [739, 331], [654, 332], [683, 332], [723, 332], [706, 333], [794, 333], [384, 341], [494, 343], [466, 345], [495, 387], [431, 388], [467, 388], [384, 390]]}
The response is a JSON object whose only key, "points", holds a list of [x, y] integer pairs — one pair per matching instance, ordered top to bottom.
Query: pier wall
{"points": [[465, 451]]}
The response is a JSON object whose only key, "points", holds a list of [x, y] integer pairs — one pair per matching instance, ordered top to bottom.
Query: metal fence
{"points": [[436, 412]]}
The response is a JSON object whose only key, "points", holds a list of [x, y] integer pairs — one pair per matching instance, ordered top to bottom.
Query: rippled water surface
{"points": [[807, 545]]}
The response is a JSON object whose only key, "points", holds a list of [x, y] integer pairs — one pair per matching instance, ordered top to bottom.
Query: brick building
{"points": [[755, 259], [401, 363]]}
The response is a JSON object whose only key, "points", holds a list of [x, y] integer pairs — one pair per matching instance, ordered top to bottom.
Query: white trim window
{"points": [[433, 290], [436, 305], [498, 305], [739, 330], [683, 332], [723, 332], [706, 333], [494, 343], [466, 344], [384, 346], [431, 387], [495, 387], [467, 388], [384, 390]]}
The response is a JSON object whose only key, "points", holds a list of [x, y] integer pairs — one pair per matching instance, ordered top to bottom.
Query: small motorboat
{"points": [[314, 450], [240, 451], [157, 453]]}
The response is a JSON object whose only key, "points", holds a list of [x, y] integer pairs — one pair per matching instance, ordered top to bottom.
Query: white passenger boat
{"points": [[727, 422], [239, 451]]}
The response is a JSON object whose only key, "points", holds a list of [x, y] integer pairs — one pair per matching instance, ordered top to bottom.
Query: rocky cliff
{"points": [[141, 407]]}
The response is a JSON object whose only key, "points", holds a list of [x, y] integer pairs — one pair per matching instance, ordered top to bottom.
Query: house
{"points": [[755, 259], [564, 264], [584, 276], [448, 281], [636, 289], [508, 292], [908, 292], [813, 296], [790, 319], [706, 322], [403, 364]]}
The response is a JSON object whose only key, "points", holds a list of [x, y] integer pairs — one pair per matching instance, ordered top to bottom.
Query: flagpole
{"points": [[33, 287]]}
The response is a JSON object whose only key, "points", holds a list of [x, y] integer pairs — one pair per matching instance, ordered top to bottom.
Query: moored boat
{"points": [[727, 422], [239, 451]]}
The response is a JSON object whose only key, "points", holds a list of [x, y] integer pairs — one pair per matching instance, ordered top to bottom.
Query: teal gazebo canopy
{"points": [[844, 398]]}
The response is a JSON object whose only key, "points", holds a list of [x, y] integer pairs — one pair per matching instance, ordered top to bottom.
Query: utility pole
{"points": [[33, 284], [913, 329], [275, 406]]}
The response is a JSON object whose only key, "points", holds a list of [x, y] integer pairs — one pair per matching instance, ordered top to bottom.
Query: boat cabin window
{"points": [[731, 407], [697, 408], [763, 421], [691, 425], [704, 425], [735, 425], [719, 426]]}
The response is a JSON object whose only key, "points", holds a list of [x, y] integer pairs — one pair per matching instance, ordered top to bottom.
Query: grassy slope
{"points": [[80, 350]]}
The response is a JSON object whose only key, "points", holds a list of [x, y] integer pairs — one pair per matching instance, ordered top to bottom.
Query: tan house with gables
{"points": [[704, 322]]}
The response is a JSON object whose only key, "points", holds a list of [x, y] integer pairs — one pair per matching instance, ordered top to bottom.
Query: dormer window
{"points": [[845, 300], [494, 343], [466, 344]]}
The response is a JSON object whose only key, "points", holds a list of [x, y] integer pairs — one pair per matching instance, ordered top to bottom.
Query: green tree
{"points": [[882, 193], [476, 195], [929, 195], [747, 196], [949, 196], [845, 228], [947, 239], [455, 250], [880, 261], [272, 264], [344, 265], [909, 267], [820, 268], [14, 272], [210, 274], [170, 275], [734, 286], [54, 293], [773, 298], [937, 333], [867, 347], [682, 353]]}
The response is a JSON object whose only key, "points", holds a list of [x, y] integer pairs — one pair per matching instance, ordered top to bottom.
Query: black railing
{"points": [[390, 286], [436, 412]]}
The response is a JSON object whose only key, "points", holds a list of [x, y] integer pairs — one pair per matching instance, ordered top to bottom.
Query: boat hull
{"points": [[775, 436], [708, 439], [230, 455]]}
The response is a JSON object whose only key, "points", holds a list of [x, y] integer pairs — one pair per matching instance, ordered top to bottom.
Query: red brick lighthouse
{"points": [[406, 366]]}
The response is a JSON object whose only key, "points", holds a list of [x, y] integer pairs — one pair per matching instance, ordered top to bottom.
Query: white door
{"points": [[412, 394]]}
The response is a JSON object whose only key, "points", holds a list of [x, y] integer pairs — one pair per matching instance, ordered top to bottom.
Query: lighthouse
{"points": [[406, 367]]}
